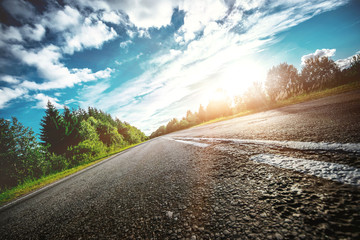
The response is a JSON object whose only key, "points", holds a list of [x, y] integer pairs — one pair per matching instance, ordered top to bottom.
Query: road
{"points": [[288, 173]]}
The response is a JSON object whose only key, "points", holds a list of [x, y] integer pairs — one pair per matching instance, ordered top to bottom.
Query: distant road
{"points": [[288, 173]]}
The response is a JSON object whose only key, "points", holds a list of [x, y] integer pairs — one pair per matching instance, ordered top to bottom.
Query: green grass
{"points": [[318, 94], [293, 100], [32, 185]]}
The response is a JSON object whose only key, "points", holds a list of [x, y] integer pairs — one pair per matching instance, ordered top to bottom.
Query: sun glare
{"points": [[235, 80]]}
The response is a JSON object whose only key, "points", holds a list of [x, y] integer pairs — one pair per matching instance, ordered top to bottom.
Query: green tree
{"points": [[353, 72], [318, 73], [172, 126], [50, 130], [159, 132], [108, 134], [21, 157]]}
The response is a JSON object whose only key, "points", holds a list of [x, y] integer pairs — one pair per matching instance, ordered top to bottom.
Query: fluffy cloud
{"points": [[142, 13], [199, 14], [111, 17], [62, 19], [33, 33], [9, 34], [88, 35], [125, 43], [318, 53], [47, 62], [346, 62], [9, 79], [8, 94], [43, 100]]}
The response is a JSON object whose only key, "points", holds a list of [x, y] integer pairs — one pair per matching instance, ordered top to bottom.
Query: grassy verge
{"points": [[318, 94], [293, 100], [30, 186]]}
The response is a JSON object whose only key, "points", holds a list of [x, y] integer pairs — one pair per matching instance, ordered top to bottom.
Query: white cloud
{"points": [[142, 13], [199, 14], [111, 17], [60, 20], [34, 33], [143, 33], [9, 34], [88, 35], [125, 43], [319, 53], [165, 58], [47, 62], [346, 62], [9, 79], [8, 94], [90, 94], [43, 100]]}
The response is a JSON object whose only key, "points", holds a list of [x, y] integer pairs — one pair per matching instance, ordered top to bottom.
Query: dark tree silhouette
{"points": [[318, 73], [51, 126]]}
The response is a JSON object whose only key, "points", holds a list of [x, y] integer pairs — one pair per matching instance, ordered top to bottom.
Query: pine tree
{"points": [[70, 125], [51, 129]]}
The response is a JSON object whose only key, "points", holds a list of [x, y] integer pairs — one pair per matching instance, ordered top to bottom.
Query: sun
{"points": [[236, 79], [233, 80]]}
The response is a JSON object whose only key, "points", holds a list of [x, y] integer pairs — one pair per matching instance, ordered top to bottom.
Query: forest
{"points": [[283, 82], [67, 139]]}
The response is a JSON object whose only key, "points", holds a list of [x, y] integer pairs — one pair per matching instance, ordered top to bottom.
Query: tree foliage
{"points": [[318, 73], [282, 81], [67, 139], [20, 153]]}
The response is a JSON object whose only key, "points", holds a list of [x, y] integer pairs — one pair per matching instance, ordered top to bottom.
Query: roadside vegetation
{"points": [[284, 85], [70, 141]]}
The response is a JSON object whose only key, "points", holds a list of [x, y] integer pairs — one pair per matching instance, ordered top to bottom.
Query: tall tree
{"points": [[318, 72], [282, 81], [51, 126], [70, 126], [20, 154]]}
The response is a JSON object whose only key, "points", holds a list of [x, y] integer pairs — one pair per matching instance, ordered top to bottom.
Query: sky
{"points": [[146, 61]]}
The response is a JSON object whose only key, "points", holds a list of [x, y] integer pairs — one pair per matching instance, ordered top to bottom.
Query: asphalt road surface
{"points": [[289, 173]]}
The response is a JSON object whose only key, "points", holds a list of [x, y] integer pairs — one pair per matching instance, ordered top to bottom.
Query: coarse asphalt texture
{"points": [[166, 189]]}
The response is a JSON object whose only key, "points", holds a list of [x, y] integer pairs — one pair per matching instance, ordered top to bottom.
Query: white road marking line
{"points": [[189, 142], [203, 145], [347, 147], [331, 171]]}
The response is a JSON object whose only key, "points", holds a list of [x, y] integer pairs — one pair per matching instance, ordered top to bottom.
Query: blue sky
{"points": [[146, 61]]}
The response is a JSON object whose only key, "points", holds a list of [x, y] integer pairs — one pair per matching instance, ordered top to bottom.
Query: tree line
{"points": [[282, 82], [68, 139]]}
